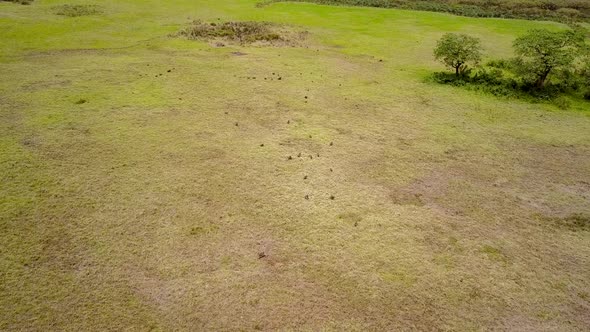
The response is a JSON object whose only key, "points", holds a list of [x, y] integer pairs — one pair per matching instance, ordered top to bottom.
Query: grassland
{"points": [[149, 182]]}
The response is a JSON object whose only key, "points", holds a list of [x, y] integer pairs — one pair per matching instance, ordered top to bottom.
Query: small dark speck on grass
{"points": [[169, 70], [280, 78], [305, 97], [81, 101], [288, 121], [237, 124], [331, 143], [261, 145], [299, 155], [318, 155], [310, 157], [290, 158], [331, 170], [305, 177], [307, 197], [332, 197], [356, 223], [261, 255]]}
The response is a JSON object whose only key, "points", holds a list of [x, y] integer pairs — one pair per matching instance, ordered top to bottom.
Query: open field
{"points": [[149, 182]]}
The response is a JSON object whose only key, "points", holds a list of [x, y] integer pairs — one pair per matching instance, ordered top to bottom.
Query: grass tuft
{"points": [[77, 10], [242, 33], [575, 222]]}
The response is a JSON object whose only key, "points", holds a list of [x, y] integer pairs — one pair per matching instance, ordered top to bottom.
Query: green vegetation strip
{"points": [[559, 10]]}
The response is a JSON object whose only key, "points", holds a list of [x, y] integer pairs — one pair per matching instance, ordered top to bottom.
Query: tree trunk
{"points": [[457, 70], [542, 80]]}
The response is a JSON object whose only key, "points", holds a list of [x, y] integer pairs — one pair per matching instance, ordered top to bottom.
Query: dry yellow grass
{"points": [[168, 201]]}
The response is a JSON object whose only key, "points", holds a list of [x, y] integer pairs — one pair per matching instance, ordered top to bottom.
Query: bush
{"points": [[500, 64], [495, 82], [562, 103]]}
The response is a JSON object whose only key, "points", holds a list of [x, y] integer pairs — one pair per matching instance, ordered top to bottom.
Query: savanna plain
{"points": [[151, 182]]}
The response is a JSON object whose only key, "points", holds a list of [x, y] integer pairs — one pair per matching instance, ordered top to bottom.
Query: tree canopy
{"points": [[457, 51], [540, 52]]}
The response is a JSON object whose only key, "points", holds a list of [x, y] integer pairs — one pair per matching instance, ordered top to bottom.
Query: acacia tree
{"points": [[457, 51], [540, 52]]}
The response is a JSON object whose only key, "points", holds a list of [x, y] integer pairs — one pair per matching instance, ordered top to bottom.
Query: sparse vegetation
{"points": [[77, 10], [242, 33], [575, 222]]}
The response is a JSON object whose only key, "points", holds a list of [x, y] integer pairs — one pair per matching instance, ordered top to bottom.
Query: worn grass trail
{"points": [[146, 181]]}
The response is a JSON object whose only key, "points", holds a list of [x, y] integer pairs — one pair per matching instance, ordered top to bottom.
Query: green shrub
{"points": [[562, 103]]}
